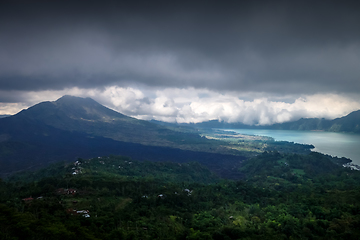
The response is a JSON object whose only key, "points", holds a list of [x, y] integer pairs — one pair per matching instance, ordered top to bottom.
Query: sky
{"points": [[255, 62]]}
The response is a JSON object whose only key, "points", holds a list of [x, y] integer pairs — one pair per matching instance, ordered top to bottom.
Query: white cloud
{"points": [[197, 105], [11, 108]]}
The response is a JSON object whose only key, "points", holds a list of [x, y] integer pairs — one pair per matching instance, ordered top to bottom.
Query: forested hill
{"points": [[349, 123], [283, 196]]}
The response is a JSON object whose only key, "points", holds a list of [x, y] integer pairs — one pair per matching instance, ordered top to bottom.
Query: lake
{"points": [[335, 144]]}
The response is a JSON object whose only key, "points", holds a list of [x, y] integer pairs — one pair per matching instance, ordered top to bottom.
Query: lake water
{"points": [[335, 144]]}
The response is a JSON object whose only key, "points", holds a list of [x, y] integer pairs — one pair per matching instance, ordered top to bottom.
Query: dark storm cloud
{"points": [[270, 46]]}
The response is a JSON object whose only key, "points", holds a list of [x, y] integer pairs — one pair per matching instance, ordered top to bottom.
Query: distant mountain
{"points": [[4, 115], [86, 115], [349, 123], [74, 127]]}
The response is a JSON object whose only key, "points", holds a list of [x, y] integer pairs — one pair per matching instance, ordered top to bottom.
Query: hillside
{"points": [[86, 115], [349, 123], [73, 127], [27, 144], [281, 196]]}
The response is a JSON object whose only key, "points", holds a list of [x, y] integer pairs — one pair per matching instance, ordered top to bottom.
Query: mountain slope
{"points": [[71, 107], [86, 115], [349, 123], [73, 127], [35, 145]]}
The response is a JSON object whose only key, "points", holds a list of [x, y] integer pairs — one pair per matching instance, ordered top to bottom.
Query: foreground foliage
{"points": [[283, 196]]}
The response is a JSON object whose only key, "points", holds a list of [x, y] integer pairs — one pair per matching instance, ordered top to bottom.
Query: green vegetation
{"points": [[249, 145], [119, 168], [279, 190], [282, 196]]}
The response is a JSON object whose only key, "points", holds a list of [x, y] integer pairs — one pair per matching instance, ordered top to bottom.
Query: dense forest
{"points": [[280, 196]]}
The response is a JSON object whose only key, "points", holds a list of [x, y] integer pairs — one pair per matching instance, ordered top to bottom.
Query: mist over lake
{"points": [[335, 144]]}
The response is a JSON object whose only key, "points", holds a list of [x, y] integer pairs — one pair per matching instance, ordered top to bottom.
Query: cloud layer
{"points": [[270, 47], [249, 61], [197, 105]]}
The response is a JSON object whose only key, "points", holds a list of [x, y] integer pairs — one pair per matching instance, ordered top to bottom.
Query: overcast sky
{"points": [[257, 62]]}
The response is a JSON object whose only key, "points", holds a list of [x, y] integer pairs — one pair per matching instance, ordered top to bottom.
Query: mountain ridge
{"points": [[73, 107], [86, 115], [349, 123]]}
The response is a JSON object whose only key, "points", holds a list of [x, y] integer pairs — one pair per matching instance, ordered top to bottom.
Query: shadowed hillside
{"points": [[85, 115], [73, 127]]}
